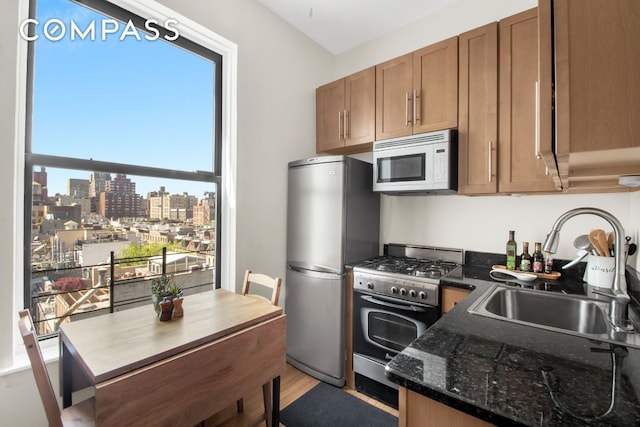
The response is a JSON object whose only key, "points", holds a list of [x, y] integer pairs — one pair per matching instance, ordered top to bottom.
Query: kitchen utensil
{"points": [[594, 238], [610, 241], [582, 242], [604, 243], [629, 248], [581, 254], [520, 276]]}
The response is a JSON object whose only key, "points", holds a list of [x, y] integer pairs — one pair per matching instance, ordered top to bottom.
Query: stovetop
{"points": [[421, 268], [406, 272]]}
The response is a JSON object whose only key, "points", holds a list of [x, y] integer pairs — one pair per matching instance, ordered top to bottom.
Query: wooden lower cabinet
{"points": [[451, 296], [416, 410]]}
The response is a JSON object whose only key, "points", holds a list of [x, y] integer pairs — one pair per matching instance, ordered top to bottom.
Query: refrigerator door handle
{"points": [[315, 271]]}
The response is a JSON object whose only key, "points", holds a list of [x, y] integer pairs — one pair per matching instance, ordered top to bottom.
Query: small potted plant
{"points": [[160, 290]]}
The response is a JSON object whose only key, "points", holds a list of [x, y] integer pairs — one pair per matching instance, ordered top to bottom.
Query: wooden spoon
{"points": [[598, 239], [595, 242], [604, 243]]}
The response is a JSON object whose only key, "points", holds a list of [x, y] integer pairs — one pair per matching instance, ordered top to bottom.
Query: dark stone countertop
{"points": [[493, 369]]}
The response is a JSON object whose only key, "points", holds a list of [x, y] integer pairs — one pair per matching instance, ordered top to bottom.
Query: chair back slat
{"points": [[273, 283], [48, 396]]}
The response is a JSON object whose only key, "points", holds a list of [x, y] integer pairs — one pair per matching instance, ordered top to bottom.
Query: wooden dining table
{"points": [[178, 372]]}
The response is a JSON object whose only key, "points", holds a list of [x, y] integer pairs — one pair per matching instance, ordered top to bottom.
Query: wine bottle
{"points": [[512, 251], [525, 258], [538, 259]]}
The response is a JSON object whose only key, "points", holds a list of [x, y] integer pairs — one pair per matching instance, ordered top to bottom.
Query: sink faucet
{"points": [[618, 295]]}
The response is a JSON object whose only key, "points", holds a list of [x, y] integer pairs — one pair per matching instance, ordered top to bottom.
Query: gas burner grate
{"points": [[423, 268]]}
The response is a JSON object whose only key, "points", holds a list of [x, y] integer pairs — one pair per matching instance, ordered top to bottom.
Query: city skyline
{"points": [[150, 185]]}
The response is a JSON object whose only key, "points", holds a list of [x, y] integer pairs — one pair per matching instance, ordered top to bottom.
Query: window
{"points": [[123, 150]]}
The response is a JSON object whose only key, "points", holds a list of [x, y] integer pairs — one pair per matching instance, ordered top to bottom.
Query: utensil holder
{"points": [[600, 271]]}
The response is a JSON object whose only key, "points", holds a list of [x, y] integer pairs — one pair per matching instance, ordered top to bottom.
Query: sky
{"points": [[111, 97]]}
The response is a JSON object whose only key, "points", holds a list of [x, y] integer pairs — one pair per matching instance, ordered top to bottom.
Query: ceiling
{"points": [[339, 25]]}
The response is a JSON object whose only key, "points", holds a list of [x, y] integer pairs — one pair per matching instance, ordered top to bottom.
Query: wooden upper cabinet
{"points": [[435, 79], [394, 85], [597, 89], [418, 92], [360, 95], [329, 111], [478, 111], [345, 114], [521, 165]]}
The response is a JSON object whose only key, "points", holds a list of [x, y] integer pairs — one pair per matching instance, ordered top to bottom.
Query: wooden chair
{"points": [[274, 284], [82, 414]]}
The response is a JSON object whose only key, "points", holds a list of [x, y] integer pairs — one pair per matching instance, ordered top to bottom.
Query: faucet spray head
{"points": [[551, 242]]}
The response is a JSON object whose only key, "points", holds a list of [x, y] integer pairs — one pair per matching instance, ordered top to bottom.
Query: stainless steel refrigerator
{"points": [[333, 219]]}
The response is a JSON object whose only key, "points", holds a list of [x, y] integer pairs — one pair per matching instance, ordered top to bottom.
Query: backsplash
{"points": [[487, 259]]}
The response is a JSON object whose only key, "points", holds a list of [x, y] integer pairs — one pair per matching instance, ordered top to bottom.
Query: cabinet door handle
{"points": [[415, 106], [406, 108], [339, 125], [346, 125], [536, 145], [490, 161]]}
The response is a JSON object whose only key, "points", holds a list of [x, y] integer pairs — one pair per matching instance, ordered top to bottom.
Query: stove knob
{"points": [[369, 285], [394, 290], [403, 291], [412, 293], [422, 295]]}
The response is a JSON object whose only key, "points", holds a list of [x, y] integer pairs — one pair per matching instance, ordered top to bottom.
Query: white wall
{"points": [[458, 17], [278, 71], [478, 223], [482, 223]]}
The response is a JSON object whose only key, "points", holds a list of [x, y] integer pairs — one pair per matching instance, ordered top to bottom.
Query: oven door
{"points": [[384, 326]]}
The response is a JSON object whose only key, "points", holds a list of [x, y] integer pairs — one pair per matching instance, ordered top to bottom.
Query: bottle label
{"points": [[511, 257], [525, 265], [538, 266]]}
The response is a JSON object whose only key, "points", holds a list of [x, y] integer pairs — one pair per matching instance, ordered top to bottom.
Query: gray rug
{"points": [[326, 405]]}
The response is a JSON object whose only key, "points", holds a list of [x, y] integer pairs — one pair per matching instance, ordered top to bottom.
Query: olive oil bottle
{"points": [[512, 251]]}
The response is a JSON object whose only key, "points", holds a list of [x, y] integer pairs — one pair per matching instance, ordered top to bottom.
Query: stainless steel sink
{"points": [[544, 310]]}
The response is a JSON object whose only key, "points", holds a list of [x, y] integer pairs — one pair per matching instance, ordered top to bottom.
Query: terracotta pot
{"points": [[166, 307], [177, 307]]}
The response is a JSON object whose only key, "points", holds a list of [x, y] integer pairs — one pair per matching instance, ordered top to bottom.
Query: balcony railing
{"points": [[65, 295]]}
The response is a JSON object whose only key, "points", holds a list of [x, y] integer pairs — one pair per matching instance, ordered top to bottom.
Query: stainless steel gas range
{"points": [[396, 298]]}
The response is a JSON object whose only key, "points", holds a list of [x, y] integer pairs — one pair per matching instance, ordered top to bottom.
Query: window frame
{"points": [[223, 93]]}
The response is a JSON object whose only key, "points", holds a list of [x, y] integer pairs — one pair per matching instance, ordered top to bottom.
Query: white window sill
{"points": [[50, 353]]}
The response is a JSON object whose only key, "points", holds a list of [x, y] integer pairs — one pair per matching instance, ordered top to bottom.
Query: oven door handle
{"points": [[405, 307]]}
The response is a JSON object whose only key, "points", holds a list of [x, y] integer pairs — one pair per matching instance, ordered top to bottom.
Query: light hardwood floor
{"points": [[293, 384]]}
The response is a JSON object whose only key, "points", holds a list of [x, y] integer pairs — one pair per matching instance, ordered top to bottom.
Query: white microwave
{"points": [[423, 163]]}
